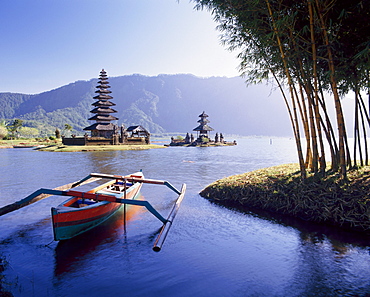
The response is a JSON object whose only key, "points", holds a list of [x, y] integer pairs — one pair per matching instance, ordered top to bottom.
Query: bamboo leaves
{"points": [[310, 48]]}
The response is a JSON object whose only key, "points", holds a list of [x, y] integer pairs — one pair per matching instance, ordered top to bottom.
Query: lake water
{"points": [[210, 250]]}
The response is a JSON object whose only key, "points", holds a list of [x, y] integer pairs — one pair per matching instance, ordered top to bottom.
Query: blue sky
{"points": [[49, 43]]}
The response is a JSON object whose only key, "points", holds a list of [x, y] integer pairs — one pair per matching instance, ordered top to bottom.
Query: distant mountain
{"points": [[163, 103]]}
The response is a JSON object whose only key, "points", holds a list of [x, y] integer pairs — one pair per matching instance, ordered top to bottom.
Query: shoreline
{"points": [[200, 145], [59, 147], [96, 148], [280, 190]]}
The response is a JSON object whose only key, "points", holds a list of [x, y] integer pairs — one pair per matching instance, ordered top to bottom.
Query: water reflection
{"points": [[312, 232], [211, 250], [71, 255]]}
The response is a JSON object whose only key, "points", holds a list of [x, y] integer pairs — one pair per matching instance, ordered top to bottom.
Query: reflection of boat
{"points": [[79, 214], [73, 254]]}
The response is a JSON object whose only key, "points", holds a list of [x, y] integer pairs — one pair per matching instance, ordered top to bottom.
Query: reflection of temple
{"points": [[103, 131], [203, 137]]}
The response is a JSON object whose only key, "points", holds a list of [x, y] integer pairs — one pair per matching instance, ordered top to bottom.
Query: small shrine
{"points": [[203, 128], [103, 131], [135, 133], [203, 136]]}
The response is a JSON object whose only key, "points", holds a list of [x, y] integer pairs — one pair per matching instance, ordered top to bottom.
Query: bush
{"points": [[3, 132], [29, 132], [57, 133]]}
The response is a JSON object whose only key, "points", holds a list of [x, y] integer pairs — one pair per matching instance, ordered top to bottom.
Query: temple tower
{"points": [[102, 111], [203, 127]]}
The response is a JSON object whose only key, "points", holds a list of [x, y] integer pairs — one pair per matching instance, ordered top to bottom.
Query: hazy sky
{"points": [[50, 43]]}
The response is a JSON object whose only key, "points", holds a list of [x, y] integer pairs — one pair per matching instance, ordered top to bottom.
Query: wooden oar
{"points": [[39, 195], [166, 226]]}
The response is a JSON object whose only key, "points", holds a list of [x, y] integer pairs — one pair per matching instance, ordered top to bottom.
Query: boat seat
{"points": [[136, 176], [122, 183], [109, 191], [117, 194], [85, 201], [82, 203]]}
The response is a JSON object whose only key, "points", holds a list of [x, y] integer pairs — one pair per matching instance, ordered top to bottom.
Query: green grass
{"points": [[31, 141]]}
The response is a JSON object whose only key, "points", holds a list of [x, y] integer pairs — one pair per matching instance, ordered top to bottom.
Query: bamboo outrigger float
{"points": [[85, 210]]}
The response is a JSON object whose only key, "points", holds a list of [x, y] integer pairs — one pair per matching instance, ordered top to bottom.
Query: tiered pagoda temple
{"points": [[103, 110], [203, 128], [103, 131], [203, 137]]}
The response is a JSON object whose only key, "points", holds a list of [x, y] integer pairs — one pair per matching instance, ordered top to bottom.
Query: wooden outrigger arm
{"points": [[136, 180], [61, 191], [38, 195], [104, 197], [166, 223]]}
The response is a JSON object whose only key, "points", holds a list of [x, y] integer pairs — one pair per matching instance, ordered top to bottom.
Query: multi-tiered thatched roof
{"points": [[102, 111]]}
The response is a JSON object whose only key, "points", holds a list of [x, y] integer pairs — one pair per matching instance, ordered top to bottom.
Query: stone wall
{"points": [[104, 141]]}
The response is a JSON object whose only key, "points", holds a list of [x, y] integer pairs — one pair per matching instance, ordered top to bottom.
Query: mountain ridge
{"points": [[163, 103]]}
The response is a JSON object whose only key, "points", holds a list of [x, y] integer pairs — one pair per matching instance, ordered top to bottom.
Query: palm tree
{"points": [[14, 126], [68, 127]]}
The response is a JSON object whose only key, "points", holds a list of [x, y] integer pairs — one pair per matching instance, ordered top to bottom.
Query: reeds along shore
{"points": [[280, 189]]}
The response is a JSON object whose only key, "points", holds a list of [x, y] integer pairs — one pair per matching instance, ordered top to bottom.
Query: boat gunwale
{"points": [[62, 207]]}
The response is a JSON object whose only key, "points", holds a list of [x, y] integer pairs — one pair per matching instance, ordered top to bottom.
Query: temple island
{"points": [[103, 131], [203, 137]]}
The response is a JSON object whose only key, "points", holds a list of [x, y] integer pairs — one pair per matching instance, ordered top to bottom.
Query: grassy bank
{"points": [[27, 142], [57, 146], [90, 148], [279, 189]]}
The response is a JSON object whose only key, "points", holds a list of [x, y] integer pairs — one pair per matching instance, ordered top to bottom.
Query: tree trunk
{"points": [[290, 83], [338, 107]]}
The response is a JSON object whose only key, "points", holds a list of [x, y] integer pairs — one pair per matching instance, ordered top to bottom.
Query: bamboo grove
{"points": [[316, 51]]}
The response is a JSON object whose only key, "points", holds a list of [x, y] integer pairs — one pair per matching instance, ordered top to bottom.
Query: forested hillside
{"points": [[164, 103]]}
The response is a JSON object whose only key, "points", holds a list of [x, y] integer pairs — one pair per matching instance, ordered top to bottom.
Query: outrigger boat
{"points": [[86, 210], [80, 214]]}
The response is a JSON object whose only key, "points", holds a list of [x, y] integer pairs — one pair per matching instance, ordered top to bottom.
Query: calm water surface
{"points": [[210, 250]]}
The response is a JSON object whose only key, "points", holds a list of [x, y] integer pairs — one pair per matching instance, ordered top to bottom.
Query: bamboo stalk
{"points": [[290, 83], [334, 87]]}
